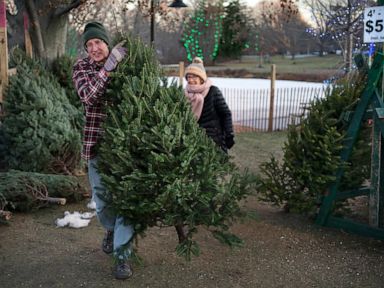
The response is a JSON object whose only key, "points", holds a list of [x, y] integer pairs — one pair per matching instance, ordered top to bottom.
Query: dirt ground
{"points": [[281, 250]]}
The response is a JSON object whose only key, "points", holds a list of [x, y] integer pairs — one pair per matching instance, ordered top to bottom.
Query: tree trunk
{"points": [[49, 24], [36, 28], [56, 38], [349, 40], [349, 52], [180, 233]]}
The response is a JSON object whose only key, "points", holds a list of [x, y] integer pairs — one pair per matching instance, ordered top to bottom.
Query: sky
{"points": [[247, 2], [250, 2]]}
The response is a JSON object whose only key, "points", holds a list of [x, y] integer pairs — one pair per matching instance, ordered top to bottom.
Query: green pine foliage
{"points": [[203, 30], [235, 30], [61, 68], [38, 133], [312, 153], [159, 167], [26, 191]]}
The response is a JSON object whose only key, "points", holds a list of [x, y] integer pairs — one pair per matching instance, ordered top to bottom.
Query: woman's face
{"points": [[97, 49], [193, 79]]}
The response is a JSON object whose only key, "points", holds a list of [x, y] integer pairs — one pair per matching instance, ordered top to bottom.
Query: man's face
{"points": [[97, 49]]}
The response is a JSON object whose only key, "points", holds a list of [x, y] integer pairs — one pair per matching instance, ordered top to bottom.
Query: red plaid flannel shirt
{"points": [[90, 81]]}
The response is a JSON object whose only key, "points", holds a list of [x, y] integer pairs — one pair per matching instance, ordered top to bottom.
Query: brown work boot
{"points": [[107, 245], [123, 270]]}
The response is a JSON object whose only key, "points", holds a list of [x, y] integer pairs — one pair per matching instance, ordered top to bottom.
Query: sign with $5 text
{"points": [[374, 24]]}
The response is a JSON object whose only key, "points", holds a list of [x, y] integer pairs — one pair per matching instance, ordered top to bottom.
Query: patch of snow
{"points": [[254, 83], [91, 205], [75, 219]]}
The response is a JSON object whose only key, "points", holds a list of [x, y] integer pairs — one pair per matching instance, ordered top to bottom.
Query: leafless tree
{"points": [[49, 20], [341, 21], [48, 24], [320, 27], [280, 32]]}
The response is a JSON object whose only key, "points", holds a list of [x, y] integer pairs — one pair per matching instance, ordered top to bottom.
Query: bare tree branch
{"points": [[65, 9]]}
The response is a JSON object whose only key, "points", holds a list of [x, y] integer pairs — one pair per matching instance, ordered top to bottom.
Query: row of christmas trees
{"points": [[40, 137], [158, 165]]}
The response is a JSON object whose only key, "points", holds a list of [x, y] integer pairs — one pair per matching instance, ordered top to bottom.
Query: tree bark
{"points": [[49, 27], [37, 35], [57, 37], [349, 39], [180, 233]]}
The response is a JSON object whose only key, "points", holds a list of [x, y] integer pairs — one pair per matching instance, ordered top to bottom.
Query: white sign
{"points": [[374, 24]]}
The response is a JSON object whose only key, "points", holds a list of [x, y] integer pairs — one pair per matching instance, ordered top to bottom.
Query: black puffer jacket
{"points": [[216, 118]]}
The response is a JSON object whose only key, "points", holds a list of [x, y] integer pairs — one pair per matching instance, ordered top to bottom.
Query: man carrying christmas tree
{"points": [[91, 77], [208, 105]]}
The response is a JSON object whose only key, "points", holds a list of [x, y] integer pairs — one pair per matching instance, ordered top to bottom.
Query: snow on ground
{"points": [[253, 83], [260, 83], [77, 219]]}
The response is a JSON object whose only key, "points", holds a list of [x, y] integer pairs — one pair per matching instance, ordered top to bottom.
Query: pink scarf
{"points": [[196, 95]]}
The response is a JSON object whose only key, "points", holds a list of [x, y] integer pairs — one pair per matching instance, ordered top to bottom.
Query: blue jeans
{"points": [[123, 232]]}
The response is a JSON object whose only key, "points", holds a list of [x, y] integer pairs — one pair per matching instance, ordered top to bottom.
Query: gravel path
{"points": [[281, 250]]}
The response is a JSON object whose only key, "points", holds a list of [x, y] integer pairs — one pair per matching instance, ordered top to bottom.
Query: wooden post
{"points": [[27, 37], [3, 50], [260, 60], [181, 73], [272, 97]]}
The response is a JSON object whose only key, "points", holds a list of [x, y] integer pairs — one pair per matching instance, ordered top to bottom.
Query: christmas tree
{"points": [[235, 30], [61, 68], [38, 133], [159, 167], [26, 191]]}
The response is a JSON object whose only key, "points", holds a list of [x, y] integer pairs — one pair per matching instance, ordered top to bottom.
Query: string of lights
{"points": [[341, 20], [198, 32]]}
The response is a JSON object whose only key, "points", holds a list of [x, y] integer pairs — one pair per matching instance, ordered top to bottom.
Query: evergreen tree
{"points": [[235, 30], [202, 32], [61, 68], [38, 133], [312, 153], [159, 167], [26, 191]]}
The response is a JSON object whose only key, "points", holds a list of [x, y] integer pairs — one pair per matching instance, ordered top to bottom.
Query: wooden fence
{"points": [[251, 107]]}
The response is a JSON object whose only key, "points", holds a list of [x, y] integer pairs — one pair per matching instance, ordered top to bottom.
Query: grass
{"points": [[286, 65], [313, 68], [253, 148]]}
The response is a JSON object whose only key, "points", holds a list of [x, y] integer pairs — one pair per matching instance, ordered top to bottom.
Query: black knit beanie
{"points": [[95, 30]]}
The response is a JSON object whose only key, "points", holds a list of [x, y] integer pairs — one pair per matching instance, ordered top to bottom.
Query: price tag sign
{"points": [[374, 24]]}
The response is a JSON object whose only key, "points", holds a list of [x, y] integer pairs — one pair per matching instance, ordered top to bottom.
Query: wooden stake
{"points": [[3, 50], [181, 73], [272, 97]]}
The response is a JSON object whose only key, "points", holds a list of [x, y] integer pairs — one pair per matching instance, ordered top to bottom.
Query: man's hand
{"points": [[117, 54]]}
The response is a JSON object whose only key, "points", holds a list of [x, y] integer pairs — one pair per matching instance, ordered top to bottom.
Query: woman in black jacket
{"points": [[208, 105]]}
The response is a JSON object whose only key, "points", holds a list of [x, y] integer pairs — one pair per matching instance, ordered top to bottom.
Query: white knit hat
{"points": [[197, 68]]}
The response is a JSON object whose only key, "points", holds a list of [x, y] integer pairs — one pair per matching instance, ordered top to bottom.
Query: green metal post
{"points": [[374, 75], [377, 169], [376, 199]]}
